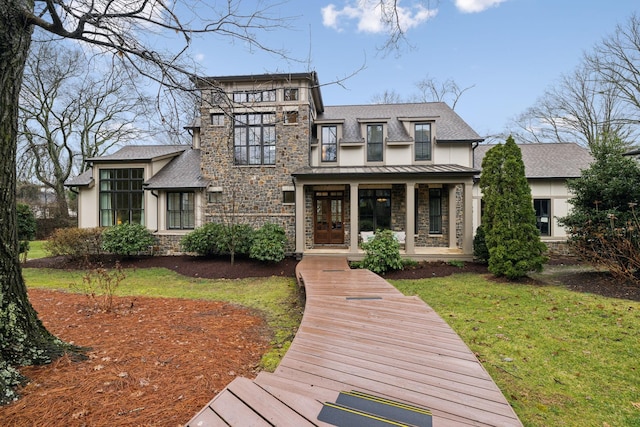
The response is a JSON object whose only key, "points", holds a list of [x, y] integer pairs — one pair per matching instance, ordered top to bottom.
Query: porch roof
{"points": [[181, 172], [381, 172]]}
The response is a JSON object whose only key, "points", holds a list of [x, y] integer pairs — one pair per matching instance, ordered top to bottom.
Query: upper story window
{"points": [[291, 94], [255, 96], [290, 117], [217, 119], [254, 139], [423, 141], [329, 143], [374, 143], [121, 196]]}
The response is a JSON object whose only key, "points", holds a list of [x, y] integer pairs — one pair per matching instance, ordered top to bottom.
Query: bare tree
{"points": [[123, 31], [616, 60], [432, 90], [386, 97], [600, 97], [72, 109], [578, 109]]}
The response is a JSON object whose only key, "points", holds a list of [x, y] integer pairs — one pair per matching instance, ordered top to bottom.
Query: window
{"points": [[291, 94], [255, 96], [290, 117], [217, 119], [254, 139], [423, 141], [329, 143], [374, 143], [121, 196], [214, 196], [288, 196], [375, 210], [180, 211], [435, 211], [543, 215]]}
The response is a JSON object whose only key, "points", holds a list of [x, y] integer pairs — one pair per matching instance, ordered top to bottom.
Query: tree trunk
{"points": [[23, 338]]}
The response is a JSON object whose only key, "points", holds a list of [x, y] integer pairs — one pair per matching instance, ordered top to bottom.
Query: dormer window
{"points": [[423, 141], [329, 143], [375, 143]]}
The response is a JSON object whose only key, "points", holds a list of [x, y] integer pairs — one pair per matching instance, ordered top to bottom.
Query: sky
{"points": [[506, 51]]}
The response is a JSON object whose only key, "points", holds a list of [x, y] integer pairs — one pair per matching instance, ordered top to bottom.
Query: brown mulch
{"points": [[156, 361]]}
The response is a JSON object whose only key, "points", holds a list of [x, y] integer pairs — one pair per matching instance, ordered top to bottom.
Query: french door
{"points": [[329, 218]]}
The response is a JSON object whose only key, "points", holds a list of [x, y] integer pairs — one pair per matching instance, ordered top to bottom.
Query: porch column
{"points": [[300, 212], [453, 216], [353, 219], [467, 237], [409, 243]]}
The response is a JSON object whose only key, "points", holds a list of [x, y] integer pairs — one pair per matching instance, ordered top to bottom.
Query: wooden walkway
{"points": [[360, 333]]}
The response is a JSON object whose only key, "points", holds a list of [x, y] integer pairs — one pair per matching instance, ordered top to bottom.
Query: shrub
{"points": [[26, 228], [127, 239], [236, 239], [205, 240], [74, 242], [268, 243], [480, 250], [382, 253], [99, 285]]}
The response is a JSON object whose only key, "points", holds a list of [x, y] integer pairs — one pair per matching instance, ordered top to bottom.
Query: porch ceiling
{"points": [[410, 171]]}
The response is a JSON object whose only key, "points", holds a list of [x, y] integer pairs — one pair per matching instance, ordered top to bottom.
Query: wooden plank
{"points": [[268, 406], [235, 412], [206, 418]]}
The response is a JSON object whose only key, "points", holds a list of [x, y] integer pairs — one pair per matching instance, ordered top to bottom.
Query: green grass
{"points": [[36, 250], [276, 297], [561, 358]]}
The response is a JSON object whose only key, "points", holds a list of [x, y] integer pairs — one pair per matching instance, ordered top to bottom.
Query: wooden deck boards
{"points": [[360, 333]]}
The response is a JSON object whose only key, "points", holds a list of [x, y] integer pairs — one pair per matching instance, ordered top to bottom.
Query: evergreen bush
{"points": [[127, 239], [207, 240], [74, 242], [269, 243], [382, 253]]}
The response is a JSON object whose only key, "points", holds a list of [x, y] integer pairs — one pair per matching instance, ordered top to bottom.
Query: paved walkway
{"points": [[360, 333]]}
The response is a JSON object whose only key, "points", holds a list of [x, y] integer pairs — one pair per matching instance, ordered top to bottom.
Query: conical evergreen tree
{"points": [[509, 219]]}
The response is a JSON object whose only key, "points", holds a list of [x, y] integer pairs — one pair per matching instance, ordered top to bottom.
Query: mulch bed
{"points": [[156, 361]]}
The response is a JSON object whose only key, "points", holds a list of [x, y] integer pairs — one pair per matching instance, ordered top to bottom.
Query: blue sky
{"points": [[509, 50]]}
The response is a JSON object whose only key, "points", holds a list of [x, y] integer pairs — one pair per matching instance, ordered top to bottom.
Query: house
{"points": [[266, 149], [548, 166]]}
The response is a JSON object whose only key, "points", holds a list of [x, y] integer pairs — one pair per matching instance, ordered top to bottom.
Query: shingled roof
{"points": [[449, 125], [141, 153], [546, 160], [181, 172]]}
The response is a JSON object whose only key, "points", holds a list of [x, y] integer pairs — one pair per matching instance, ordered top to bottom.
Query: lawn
{"points": [[561, 358]]}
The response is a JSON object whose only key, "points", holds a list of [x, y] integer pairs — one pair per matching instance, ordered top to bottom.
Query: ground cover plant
{"points": [[561, 358]]}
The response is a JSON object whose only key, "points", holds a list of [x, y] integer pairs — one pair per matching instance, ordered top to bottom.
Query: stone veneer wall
{"points": [[253, 194]]}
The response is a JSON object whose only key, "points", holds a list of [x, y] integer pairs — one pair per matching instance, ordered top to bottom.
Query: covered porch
{"points": [[430, 206]]}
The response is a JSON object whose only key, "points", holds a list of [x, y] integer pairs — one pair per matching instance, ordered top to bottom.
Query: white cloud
{"points": [[474, 6], [369, 15]]}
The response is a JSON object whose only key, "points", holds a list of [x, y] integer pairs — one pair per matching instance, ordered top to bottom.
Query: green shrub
{"points": [[26, 228], [127, 239], [236, 239], [205, 240], [74, 242], [268, 243], [480, 250], [382, 253]]}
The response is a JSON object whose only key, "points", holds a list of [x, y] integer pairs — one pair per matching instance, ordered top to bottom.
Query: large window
{"points": [[255, 96], [254, 139], [423, 141], [329, 143], [374, 143], [121, 196], [180, 210], [375, 210], [435, 211], [543, 215]]}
